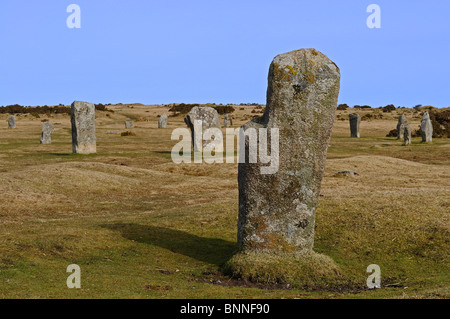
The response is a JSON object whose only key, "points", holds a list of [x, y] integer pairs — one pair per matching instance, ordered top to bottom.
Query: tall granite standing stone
{"points": [[82, 116], [208, 117], [225, 120], [355, 120], [11, 121], [162, 121], [402, 122], [128, 124], [426, 128], [47, 130], [406, 134], [277, 211]]}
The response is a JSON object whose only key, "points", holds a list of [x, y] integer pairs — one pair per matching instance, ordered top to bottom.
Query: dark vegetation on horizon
{"points": [[185, 108], [36, 110], [439, 119]]}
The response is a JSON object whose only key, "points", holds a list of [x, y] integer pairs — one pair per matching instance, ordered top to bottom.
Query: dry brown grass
{"points": [[127, 212]]}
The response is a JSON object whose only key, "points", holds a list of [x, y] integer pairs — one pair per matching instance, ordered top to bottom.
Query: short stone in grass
{"points": [[82, 116], [207, 117], [355, 120], [11, 121], [162, 121], [402, 122], [128, 124], [426, 128], [47, 130], [407, 134], [346, 173], [277, 211]]}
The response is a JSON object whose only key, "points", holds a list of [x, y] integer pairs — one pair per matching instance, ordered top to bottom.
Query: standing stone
{"points": [[82, 116], [209, 118], [355, 119], [225, 120], [11, 121], [162, 121], [231, 121], [402, 122], [128, 124], [426, 128], [47, 130], [406, 134], [277, 211]]}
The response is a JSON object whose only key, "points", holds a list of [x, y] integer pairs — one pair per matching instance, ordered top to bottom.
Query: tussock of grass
{"points": [[303, 269]]}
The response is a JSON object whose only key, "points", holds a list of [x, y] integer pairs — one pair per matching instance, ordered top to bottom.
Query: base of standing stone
{"points": [[300, 269]]}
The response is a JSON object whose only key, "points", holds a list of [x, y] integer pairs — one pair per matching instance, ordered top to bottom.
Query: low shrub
{"points": [[389, 108], [371, 116], [441, 123], [128, 133], [392, 133]]}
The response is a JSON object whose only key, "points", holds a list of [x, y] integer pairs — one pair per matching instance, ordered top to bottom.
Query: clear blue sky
{"points": [[197, 51]]}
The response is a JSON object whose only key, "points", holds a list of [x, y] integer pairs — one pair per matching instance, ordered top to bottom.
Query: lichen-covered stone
{"points": [[82, 116], [209, 119], [355, 120], [11, 121], [162, 121], [402, 122], [128, 124], [426, 128], [47, 130], [406, 134], [277, 211]]}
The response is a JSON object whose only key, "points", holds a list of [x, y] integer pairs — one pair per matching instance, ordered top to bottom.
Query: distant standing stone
{"points": [[82, 116], [208, 117], [226, 120], [355, 120], [11, 121], [162, 121], [402, 122], [128, 124], [426, 128], [47, 130], [406, 134], [277, 211]]}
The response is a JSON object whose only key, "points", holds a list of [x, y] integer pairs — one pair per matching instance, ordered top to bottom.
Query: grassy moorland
{"points": [[140, 226]]}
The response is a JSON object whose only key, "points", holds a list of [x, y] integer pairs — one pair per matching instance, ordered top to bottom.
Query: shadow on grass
{"points": [[61, 154], [76, 155], [210, 250]]}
